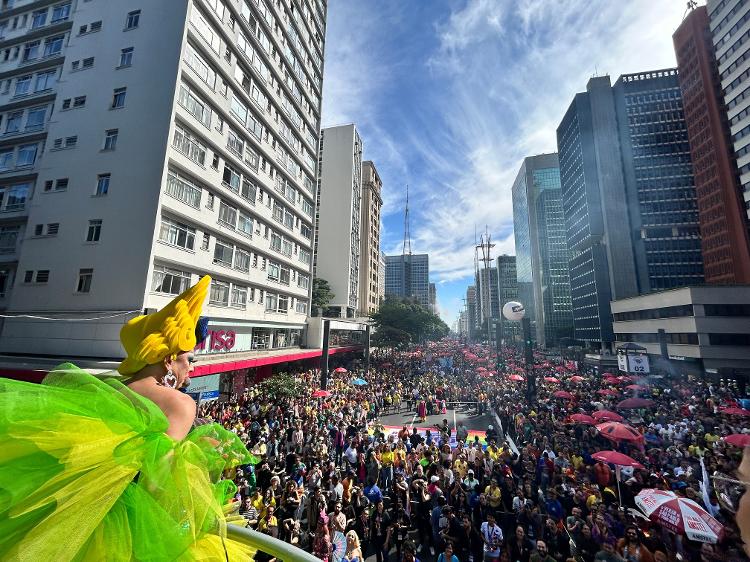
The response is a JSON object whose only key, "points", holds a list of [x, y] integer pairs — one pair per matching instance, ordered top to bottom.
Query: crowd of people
{"points": [[331, 479]]}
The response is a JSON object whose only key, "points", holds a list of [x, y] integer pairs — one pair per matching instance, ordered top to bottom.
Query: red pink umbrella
{"points": [[340, 370], [607, 374], [517, 378], [576, 378], [551, 379], [636, 387], [607, 392], [320, 394], [563, 394], [633, 403], [734, 411], [606, 415], [583, 418], [617, 431], [738, 439], [613, 457], [679, 515]]}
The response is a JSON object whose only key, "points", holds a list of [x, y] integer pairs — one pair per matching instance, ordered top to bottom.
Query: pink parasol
{"points": [[340, 370], [517, 378], [576, 378], [551, 379], [636, 387], [607, 392], [320, 394], [563, 394], [633, 403], [734, 411], [606, 415], [583, 418], [616, 431], [738, 439], [613, 457], [679, 515]]}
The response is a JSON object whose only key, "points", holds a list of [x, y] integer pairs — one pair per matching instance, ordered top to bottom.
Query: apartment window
{"points": [[61, 12], [38, 18], [133, 19], [96, 26], [53, 46], [31, 51], [126, 57], [88, 62], [45, 81], [23, 85], [118, 98], [79, 101], [195, 106], [35, 118], [13, 122], [110, 139], [235, 143], [189, 145], [26, 155], [231, 178], [102, 184], [58, 185], [183, 189], [13, 197], [227, 215], [245, 224], [39, 230], [94, 231], [305, 231], [177, 234], [8, 239], [206, 241], [275, 242], [223, 253], [304, 256], [242, 260], [273, 271], [284, 275], [28, 276], [42, 276], [84, 280], [169, 281], [303, 281], [219, 293], [239, 297], [271, 302], [301, 307]]}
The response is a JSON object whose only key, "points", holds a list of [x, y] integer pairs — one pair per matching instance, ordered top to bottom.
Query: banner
{"points": [[622, 362], [639, 364], [205, 388]]}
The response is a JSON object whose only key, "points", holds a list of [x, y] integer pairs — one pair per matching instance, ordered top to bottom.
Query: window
{"points": [[61, 12], [38, 18], [133, 19], [96, 26], [53, 46], [30, 51], [126, 57], [88, 62], [200, 66], [45, 81], [23, 85], [118, 98], [79, 101], [66, 103], [195, 106], [35, 118], [13, 122], [110, 139], [71, 142], [187, 143], [235, 143], [26, 155], [6, 159], [231, 178], [102, 184], [59, 185], [183, 189], [13, 197], [227, 215], [245, 224], [53, 228], [39, 230], [94, 231], [305, 231], [177, 234], [8, 239], [206, 240], [275, 242], [223, 253], [304, 256], [242, 260], [273, 271], [284, 275], [28, 276], [42, 276], [84, 280], [169, 281], [303, 281], [219, 293], [239, 297], [271, 302], [283, 304], [301, 307]]}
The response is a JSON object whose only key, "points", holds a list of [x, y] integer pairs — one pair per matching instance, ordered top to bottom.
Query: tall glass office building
{"points": [[542, 249]]}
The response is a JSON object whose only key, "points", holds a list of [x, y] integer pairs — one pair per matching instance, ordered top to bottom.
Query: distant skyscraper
{"points": [[730, 29], [628, 195], [721, 208], [337, 226], [369, 240], [542, 248], [408, 276], [381, 277], [507, 291], [433, 298], [471, 310]]}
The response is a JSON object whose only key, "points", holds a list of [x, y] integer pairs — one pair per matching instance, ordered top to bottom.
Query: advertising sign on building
{"points": [[622, 362], [639, 364], [205, 388]]}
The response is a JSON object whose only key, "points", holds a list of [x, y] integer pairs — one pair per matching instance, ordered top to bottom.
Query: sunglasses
{"points": [[729, 491]]}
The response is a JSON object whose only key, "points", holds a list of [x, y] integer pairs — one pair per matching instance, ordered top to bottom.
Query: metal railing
{"points": [[279, 549]]}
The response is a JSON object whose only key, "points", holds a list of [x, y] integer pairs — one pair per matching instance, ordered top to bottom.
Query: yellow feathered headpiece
{"points": [[149, 339]]}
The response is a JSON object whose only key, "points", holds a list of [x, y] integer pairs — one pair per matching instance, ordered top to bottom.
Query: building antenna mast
{"points": [[406, 246], [485, 246]]}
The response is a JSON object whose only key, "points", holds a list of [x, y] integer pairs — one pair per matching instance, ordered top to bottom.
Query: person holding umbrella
{"points": [[631, 548]]}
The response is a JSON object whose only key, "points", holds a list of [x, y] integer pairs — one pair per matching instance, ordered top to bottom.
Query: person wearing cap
{"points": [[470, 482]]}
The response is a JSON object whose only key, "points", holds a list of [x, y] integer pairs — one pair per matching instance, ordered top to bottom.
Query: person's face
{"points": [[181, 366], [337, 508], [587, 531], [519, 533], [632, 535], [541, 547], [448, 551]]}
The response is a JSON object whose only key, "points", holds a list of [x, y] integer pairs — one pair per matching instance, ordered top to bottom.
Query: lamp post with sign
{"points": [[516, 312]]}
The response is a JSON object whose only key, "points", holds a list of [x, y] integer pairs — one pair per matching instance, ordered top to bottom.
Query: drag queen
{"points": [[109, 468]]}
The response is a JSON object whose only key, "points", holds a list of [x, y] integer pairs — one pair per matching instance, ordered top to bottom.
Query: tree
{"points": [[321, 293], [399, 322], [281, 385]]}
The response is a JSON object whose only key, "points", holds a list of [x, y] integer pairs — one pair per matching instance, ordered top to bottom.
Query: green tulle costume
{"points": [[88, 473]]}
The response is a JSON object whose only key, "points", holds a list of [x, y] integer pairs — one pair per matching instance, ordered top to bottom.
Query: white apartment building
{"points": [[144, 143], [337, 220], [369, 240], [381, 277]]}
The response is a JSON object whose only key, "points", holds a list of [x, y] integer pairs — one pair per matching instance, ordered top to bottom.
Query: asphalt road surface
{"points": [[465, 414]]}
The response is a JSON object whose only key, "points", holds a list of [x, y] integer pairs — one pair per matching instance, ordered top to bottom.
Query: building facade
{"points": [[730, 32], [152, 143], [338, 217], [725, 244], [544, 248], [369, 251], [408, 276], [381, 277], [507, 283], [433, 298], [488, 301], [471, 311], [703, 329]]}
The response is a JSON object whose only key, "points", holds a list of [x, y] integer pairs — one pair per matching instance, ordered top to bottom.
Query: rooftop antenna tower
{"points": [[482, 253]]}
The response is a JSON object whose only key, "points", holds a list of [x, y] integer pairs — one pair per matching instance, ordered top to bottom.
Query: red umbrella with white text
{"points": [[679, 515]]}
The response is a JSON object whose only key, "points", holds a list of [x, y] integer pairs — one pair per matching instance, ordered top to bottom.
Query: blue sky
{"points": [[450, 95]]}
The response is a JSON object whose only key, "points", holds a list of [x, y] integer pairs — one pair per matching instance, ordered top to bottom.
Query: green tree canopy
{"points": [[321, 293], [399, 322], [281, 385]]}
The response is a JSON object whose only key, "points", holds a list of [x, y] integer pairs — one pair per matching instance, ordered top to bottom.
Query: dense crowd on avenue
{"points": [[561, 477]]}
